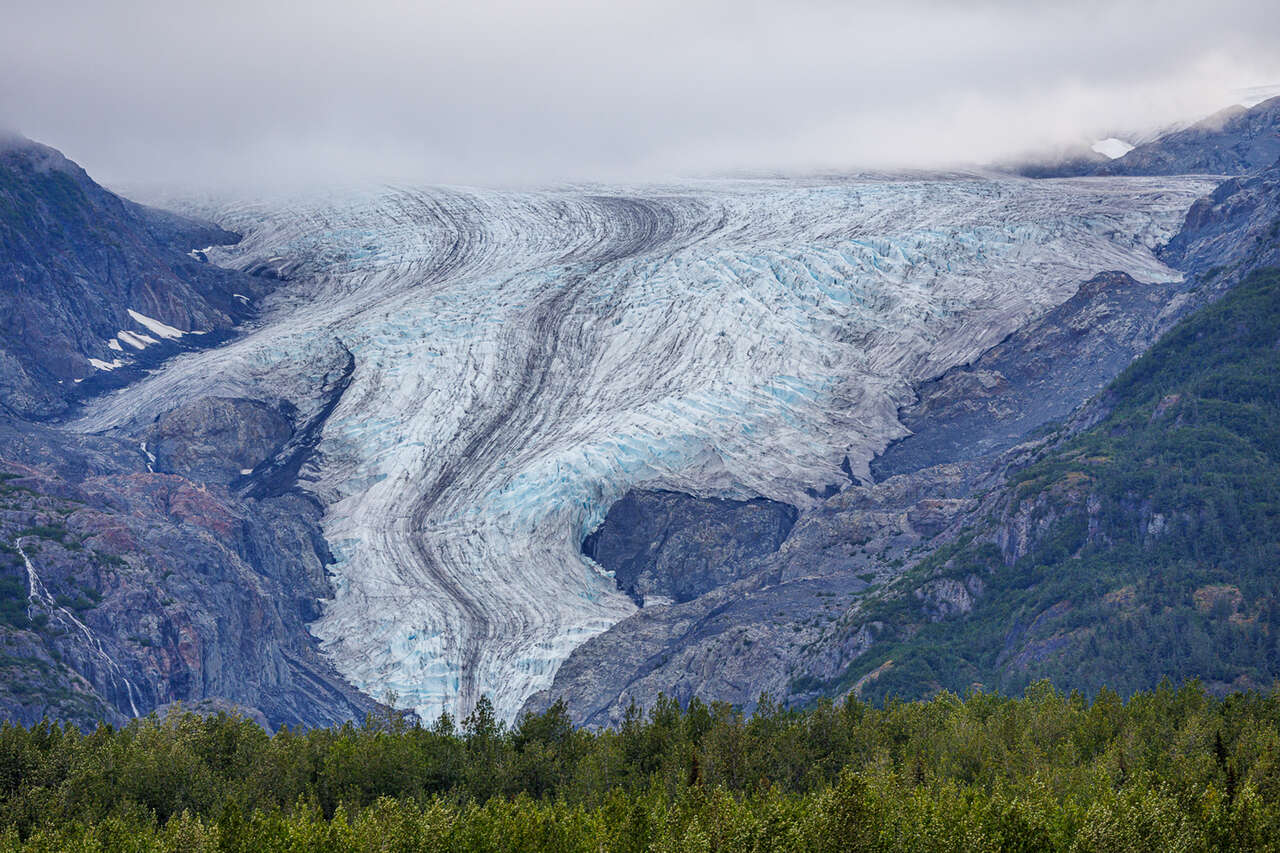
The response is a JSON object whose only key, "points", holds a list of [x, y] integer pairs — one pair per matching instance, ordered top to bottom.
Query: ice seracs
{"points": [[517, 361]]}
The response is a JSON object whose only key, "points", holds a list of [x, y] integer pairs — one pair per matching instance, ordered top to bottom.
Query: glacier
{"points": [[519, 360]]}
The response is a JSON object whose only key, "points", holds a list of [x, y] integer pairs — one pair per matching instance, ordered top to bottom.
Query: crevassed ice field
{"points": [[519, 360]]}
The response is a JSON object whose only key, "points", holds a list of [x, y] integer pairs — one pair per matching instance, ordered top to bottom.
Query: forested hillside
{"points": [[1142, 547]]}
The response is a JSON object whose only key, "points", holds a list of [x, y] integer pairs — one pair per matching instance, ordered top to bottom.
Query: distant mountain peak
{"points": [[1233, 141]]}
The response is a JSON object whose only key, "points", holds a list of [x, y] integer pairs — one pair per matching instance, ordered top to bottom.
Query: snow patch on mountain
{"points": [[1112, 147], [155, 326], [133, 339]]}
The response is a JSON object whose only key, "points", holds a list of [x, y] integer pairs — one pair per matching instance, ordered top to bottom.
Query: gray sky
{"points": [[500, 92]]}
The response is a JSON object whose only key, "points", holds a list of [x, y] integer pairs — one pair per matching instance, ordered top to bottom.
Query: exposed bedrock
{"points": [[1230, 231], [1038, 374], [216, 439], [666, 546], [147, 588], [746, 637]]}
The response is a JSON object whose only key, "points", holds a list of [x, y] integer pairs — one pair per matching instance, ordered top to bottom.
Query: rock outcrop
{"points": [[1233, 230], [1037, 375], [217, 439], [667, 546]]}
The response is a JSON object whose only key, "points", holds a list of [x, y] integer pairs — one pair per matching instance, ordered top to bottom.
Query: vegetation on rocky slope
{"points": [[1141, 547]]}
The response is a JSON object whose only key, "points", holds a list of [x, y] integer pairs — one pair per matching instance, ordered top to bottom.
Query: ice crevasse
{"points": [[522, 359]]}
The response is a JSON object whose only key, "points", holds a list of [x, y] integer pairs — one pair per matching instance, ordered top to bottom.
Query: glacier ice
{"points": [[523, 358]]}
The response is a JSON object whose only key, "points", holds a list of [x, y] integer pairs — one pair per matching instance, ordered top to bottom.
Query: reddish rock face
{"points": [[195, 505], [106, 533], [158, 588]]}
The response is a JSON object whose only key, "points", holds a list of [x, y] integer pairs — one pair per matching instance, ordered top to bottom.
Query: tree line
{"points": [[1175, 768]]}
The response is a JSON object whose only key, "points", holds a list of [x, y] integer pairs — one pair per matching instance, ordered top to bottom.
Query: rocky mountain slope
{"points": [[1235, 141], [95, 287], [1140, 547], [132, 575], [126, 588]]}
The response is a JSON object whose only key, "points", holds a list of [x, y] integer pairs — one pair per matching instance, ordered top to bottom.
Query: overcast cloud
{"points": [[498, 92]]}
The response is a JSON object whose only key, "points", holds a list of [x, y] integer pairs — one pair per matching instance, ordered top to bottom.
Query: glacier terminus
{"points": [[487, 372]]}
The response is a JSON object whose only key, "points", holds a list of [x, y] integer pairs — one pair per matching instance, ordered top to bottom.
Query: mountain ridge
{"points": [[81, 266]]}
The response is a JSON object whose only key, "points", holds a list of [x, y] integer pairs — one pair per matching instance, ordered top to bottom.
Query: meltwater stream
{"points": [[522, 359]]}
